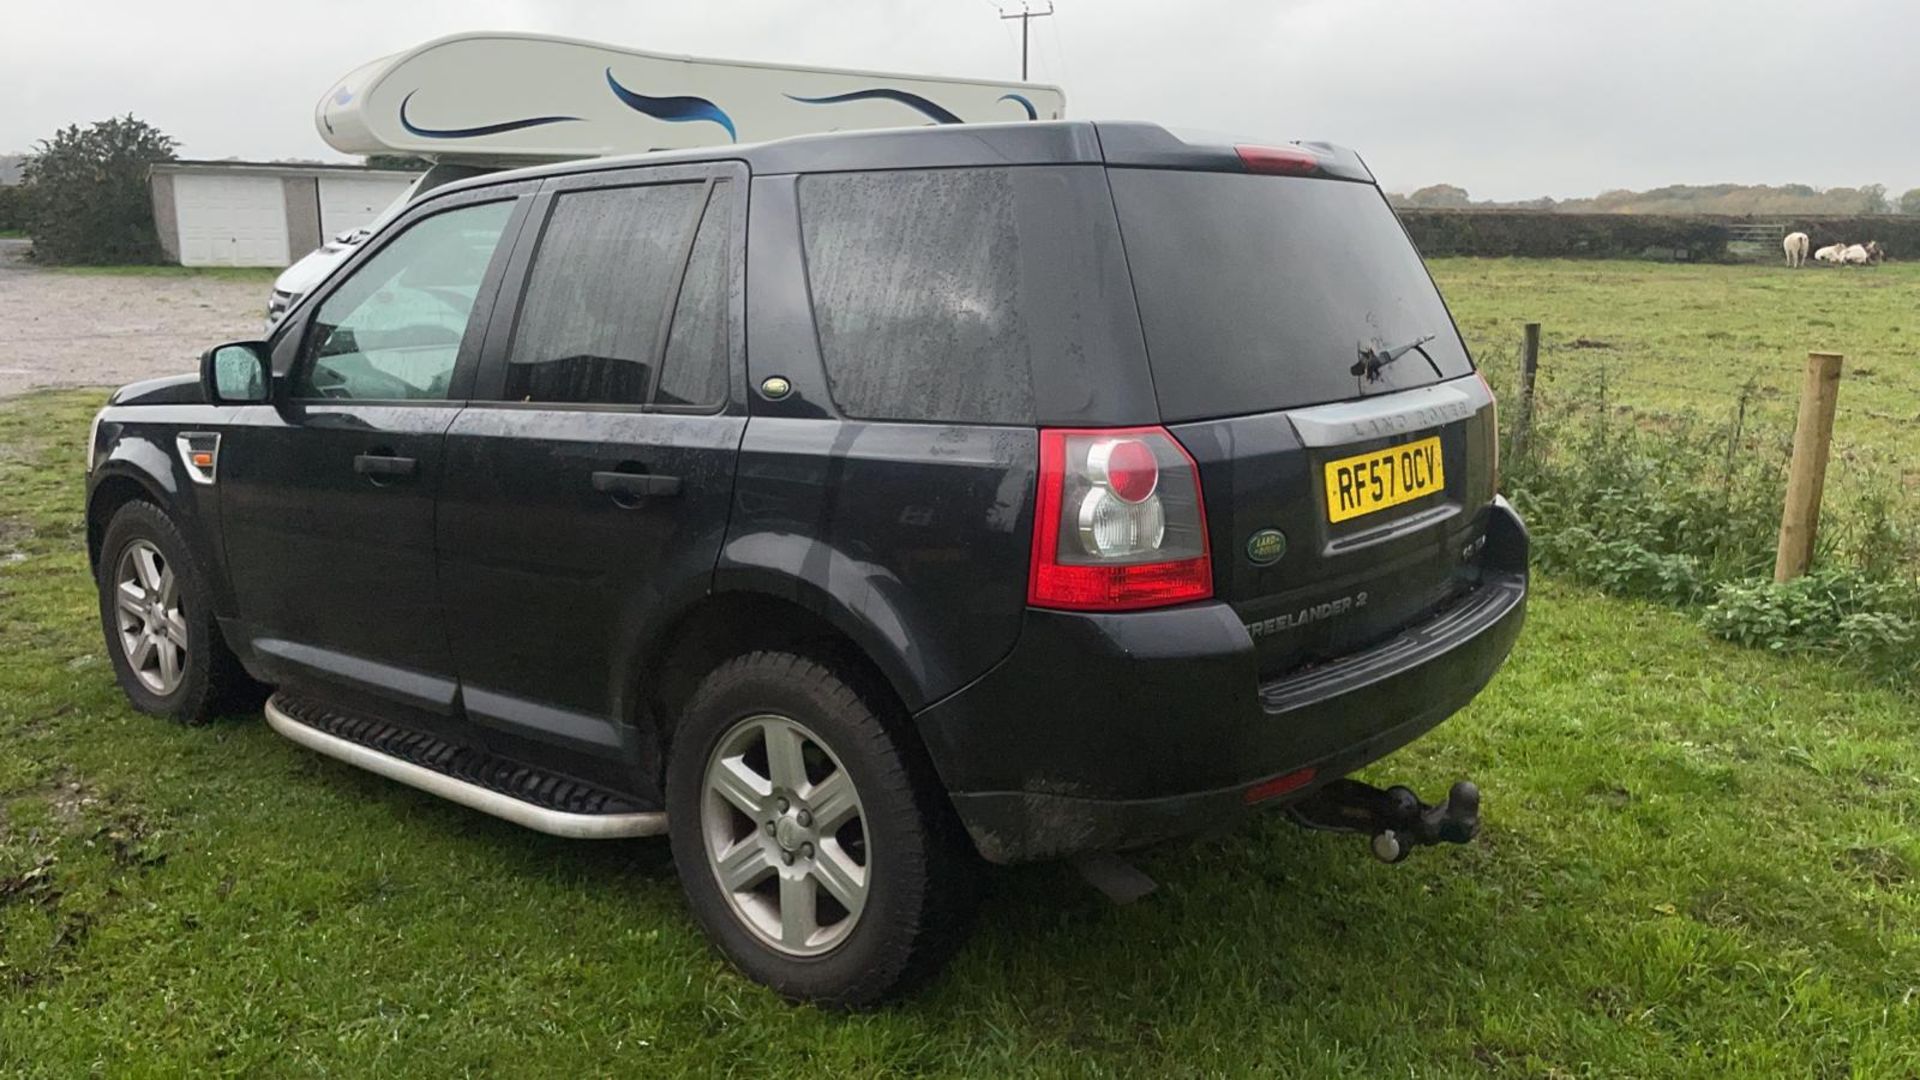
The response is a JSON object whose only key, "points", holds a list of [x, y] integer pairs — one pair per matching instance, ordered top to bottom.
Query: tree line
{"points": [[83, 193], [1734, 199]]}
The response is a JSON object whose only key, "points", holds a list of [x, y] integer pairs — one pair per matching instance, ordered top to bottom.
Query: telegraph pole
{"points": [[1026, 17]]}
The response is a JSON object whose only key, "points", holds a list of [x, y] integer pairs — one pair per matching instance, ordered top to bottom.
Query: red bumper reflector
{"points": [[1279, 785]]}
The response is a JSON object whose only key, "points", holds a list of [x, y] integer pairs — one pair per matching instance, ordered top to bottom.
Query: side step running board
{"points": [[299, 721]]}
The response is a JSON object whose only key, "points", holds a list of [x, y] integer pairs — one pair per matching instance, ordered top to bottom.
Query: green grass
{"points": [[13, 234], [262, 274], [1678, 338], [1698, 861]]}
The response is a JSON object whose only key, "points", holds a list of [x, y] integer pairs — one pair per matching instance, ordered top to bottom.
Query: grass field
{"points": [[265, 275], [1674, 338], [1698, 860]]}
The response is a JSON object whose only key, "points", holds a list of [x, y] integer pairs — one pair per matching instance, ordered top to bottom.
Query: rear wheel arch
{"points": [[734, 623], [905, 868]]}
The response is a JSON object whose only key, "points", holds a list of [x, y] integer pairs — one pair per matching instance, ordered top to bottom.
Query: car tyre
{"points": [[156, 612], [884, 872]]}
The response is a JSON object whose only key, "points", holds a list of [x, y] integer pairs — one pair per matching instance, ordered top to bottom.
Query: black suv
{"points": [[847, 508]]}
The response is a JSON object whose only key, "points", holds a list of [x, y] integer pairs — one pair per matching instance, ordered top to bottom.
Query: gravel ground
{"points": [[107, 329]]}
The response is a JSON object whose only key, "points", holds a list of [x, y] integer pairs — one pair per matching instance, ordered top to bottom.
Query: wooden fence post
{"points": [[1529, 373], [1807, 476]]}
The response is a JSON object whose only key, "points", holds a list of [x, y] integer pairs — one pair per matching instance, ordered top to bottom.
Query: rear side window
{"points": [[917, 280], [1256, 292], [600, 293], [694, 370]]}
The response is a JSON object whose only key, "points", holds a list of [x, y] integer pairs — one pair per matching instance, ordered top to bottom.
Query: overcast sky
{"points": [[1508, 98]]}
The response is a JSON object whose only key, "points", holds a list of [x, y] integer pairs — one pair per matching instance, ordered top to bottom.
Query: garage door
{"points": [[348, 202], [231, 220]]}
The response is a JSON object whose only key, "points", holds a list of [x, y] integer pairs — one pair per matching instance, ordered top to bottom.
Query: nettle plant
{"points": [[1685, 511], [1832, 610]]}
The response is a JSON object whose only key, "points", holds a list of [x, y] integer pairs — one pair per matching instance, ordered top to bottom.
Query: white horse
{"points": [[1797, 245], [1832, 253], [1856, 255]]}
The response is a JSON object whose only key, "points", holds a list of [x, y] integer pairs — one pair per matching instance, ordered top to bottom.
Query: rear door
{"points": [[1303, 356], [588, 485]]}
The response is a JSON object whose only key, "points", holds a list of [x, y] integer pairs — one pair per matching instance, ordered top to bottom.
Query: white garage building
{"points": [[237, 213]]}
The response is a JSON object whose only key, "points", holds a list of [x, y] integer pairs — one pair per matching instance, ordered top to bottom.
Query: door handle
{"points": [[384, 466], [626, 485]]}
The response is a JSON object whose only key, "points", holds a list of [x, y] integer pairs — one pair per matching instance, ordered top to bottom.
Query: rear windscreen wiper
{"points": [[1373, 358]]}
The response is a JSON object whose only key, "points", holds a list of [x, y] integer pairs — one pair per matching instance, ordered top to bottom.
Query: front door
{"points": [[588, 484], [328, 493]]}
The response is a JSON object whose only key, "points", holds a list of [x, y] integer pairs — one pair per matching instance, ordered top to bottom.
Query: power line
{"points": [[1026, 17], [1065, 74]]}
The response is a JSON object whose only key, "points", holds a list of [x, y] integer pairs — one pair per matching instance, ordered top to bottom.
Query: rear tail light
{"points": [[1495, 398], [1119, 525]]}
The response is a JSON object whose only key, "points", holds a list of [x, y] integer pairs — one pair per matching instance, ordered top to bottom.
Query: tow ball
{"points": [[1395, 819]]}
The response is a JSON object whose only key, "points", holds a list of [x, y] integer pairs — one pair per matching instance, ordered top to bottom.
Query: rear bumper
{"points": [[1103, 732]]}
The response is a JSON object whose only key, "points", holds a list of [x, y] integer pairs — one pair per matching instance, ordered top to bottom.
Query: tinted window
{"points": [[918, 279], [1256, 292], [598, 294], [392, 330], [694, 371]]}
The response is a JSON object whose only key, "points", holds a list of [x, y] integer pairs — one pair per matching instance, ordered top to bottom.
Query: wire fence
{"points": [[1703, 397], [1761, 413]]}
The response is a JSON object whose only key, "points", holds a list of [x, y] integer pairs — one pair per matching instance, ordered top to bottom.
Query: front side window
{"points": [[600, 294], [392, 331]]}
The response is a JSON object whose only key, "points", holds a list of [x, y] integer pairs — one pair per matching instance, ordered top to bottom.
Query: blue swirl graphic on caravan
{"points": [[884, 93], [678, 110], [1032, 113], [474, 132]]}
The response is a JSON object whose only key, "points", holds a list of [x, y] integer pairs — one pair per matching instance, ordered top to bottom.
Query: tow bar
{"points": [[1395, 818]]}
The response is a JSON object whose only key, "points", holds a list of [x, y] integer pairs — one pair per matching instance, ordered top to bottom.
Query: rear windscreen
{"points": [[1257, 292]]}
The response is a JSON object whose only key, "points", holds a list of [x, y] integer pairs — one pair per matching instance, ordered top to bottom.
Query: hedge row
{"points": [[13, 207], [1547, 234]]}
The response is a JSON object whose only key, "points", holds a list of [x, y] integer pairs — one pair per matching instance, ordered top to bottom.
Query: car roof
{"points": [[1048, 142]]}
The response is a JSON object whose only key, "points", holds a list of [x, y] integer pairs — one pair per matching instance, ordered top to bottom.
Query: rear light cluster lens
{"points": [[1495, 398], [1126, 467], [1120, 524]]}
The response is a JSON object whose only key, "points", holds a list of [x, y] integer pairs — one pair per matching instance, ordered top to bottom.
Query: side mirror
{"points": [[237, 373]]}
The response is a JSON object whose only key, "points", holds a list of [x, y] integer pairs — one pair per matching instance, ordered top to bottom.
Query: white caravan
{"points": [[478, 102]]}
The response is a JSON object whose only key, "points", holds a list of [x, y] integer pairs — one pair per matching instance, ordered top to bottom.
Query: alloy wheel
{"points": [[153, 633], [785, 835]]}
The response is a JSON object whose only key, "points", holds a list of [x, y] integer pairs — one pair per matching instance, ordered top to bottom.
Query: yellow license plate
{"points": [[1367, 483]]}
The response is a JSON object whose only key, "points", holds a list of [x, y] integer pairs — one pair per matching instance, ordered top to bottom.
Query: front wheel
{"points": [[157, 613], [819, 856]]}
